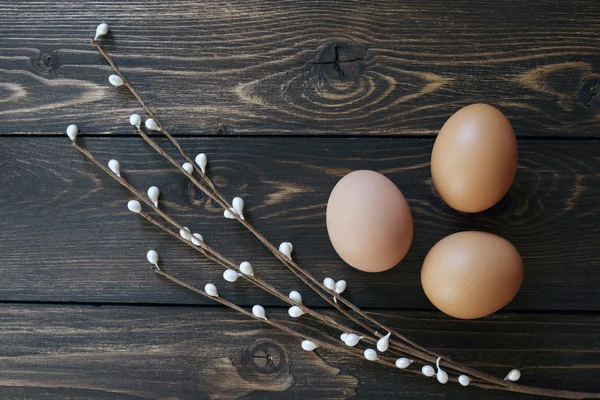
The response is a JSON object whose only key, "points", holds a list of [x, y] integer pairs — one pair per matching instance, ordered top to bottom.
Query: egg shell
{"points": [[474, 158], [369, 221], [472, 274]]}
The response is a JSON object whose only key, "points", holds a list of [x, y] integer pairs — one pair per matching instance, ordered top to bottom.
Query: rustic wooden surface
{"points": [[270, 67], [285, 97], [89, 247], [81, 352]]}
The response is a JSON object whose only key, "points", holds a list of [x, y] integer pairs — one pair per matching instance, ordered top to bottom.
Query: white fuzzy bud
{"points": [[101, 30], [116, 80], [135, 120], [151, 124], [72, 132], [201, 162], [115, 167], [189, 168], [153, 194], [134, 206], [237, 208], [185, 233], [197, 239], [286, 249], [152, 257], [246, 268], [231, 275], [329, 283], [340, 286], [211, 290], [296, 296], [259, 312], [295, 312], [343, 336], [352, 339], [383, 343], [308, 345], [371, 355], [403, 362], [428, 371], [442, 376], [513, 376], [464, 380]]}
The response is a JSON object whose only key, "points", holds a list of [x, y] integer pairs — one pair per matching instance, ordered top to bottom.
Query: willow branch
{"points": [[211, 191], [215, 195], [213, 255], [305, 276], [319, 343], [512, 388]]}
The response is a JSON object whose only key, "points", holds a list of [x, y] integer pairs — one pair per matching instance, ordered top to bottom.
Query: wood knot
{"points": [[342, 60], [46, 62], [341, 88], [589, 92], [223, 130], [195, 196], [265, 359]]}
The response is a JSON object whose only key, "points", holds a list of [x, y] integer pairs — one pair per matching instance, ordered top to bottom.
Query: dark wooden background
{"points": [[285, 97]]}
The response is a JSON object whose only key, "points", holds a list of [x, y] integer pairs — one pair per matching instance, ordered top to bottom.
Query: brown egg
{"points": [[474, 158], [369, 222], [472, 274]]}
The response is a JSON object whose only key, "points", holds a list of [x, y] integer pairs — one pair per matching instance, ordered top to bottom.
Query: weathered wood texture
{"points": [[311, 67], [251, 72], [66, 234], [79, 352]]}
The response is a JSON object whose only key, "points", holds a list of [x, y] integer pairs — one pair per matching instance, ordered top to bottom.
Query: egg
{"points": [[474, 158], [369, 221], [472, 274]]}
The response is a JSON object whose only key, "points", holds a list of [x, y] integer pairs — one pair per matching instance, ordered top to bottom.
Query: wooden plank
{"points": [[270, 66], [66, 234], [83, 352]]}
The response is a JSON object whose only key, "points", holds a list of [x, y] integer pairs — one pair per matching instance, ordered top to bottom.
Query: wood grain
{"points": [[275, 67], [245, 78], [66, 234], [83, 352]]}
